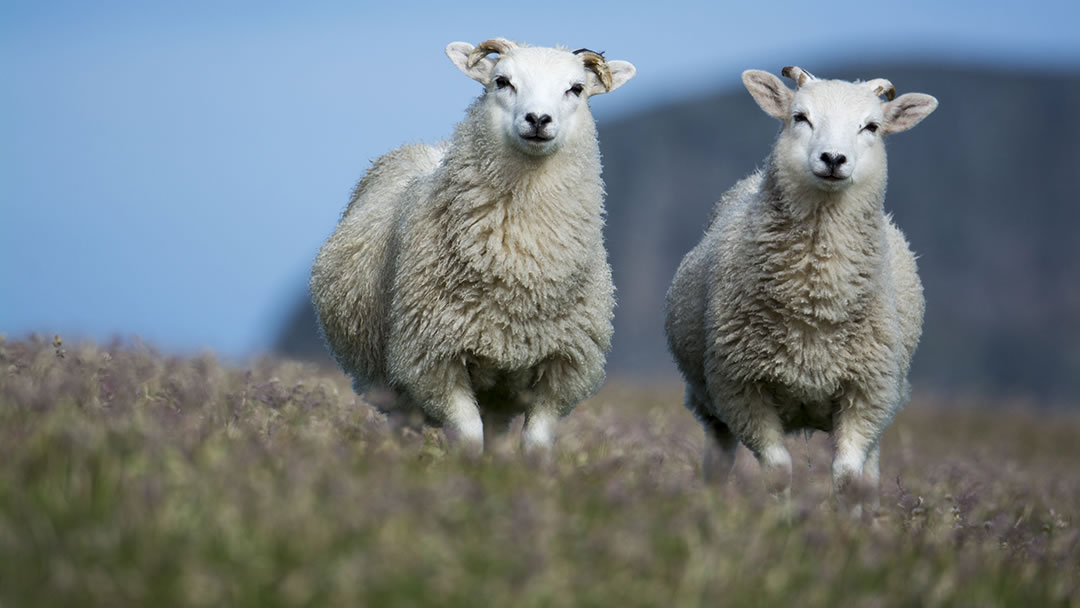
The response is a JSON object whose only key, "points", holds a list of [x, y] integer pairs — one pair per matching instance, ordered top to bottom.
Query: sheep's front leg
{"points": [[554, 386], [445, 393], [449, 397], [756, 424], [463, 426], [538, 433], [856, 456]]}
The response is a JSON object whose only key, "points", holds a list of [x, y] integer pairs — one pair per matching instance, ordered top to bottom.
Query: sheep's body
{"points": [[435, 264], [471, 280], [800, 309], [800, 316]]}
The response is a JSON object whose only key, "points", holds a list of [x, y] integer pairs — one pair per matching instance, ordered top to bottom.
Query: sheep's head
{"points": [[535, 96], [833, 129]]}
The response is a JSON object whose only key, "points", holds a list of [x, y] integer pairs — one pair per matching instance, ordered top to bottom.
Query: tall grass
{"points": [[128, 477]]}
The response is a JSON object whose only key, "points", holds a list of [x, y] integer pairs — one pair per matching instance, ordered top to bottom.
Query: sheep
{"points": [[469, 279], [801, 306]]}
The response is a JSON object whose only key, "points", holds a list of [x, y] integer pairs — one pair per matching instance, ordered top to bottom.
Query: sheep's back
{"points": [[351, 275], [910, 302], [686, 317]]}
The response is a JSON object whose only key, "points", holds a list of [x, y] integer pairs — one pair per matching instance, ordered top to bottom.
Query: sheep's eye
{"points": [[501, 82], [577, 89], [800, 117], [871, 127]]}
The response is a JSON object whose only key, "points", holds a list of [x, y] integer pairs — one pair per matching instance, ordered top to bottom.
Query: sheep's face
{"points": [[536, 97], [832, 134]]}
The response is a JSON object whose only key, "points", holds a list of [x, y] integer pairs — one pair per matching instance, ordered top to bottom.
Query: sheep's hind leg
{"points": [[403, 415], [496, 424], [718, 457]]}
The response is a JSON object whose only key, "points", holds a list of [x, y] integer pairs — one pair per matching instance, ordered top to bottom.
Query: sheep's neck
{"points": [[819, 254]]}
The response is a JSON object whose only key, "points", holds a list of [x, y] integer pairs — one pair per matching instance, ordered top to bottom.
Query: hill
{"points": [[985, 190]]}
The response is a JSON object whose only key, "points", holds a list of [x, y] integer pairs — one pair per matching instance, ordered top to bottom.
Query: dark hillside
{"points": [[984, 190]]}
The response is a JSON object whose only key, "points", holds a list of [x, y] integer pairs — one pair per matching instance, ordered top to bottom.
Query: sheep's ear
{"points": [[459, 53], [621, 72], [769, 92], [907, 111]]}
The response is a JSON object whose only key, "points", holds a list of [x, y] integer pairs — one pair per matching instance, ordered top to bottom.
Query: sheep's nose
{"points": [[537, 121], [832, 161]]}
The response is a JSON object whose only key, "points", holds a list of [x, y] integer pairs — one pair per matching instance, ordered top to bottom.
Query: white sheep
{"points": [[469, 278], [801, 306]]}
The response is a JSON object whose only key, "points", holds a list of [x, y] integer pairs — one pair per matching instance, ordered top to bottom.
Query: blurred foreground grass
{"points": [[132, 478]]}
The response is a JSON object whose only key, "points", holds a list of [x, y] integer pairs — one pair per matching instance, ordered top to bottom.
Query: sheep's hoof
{"points": [[463, 444], [539, 456], [776, 468], [854, 496], [784, 507]]}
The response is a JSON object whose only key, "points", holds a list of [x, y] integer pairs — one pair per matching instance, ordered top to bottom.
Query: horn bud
{"points": [[501, 46], [596, 63], [799, 75], [883, 87]]}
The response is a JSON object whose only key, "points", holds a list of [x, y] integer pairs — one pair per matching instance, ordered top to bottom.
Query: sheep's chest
{"points": [[514, 281], [524, 293], [811, 307], [514, 321], [515, 324], [801, 346], [806, 371]]}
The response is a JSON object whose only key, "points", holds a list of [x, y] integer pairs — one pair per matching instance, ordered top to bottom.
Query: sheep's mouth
{"points": [[535, 143], [831, 177]]}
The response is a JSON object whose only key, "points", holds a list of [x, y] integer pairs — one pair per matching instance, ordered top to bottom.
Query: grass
{"points": [[133, 478]]}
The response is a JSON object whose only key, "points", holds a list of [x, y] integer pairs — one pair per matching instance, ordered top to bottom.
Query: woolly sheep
{"points": [[469, 278], [801, 306]]}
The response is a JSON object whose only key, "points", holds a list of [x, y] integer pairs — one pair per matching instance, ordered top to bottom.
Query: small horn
{"points": [[501, 46], [595, 61], [799, 75], [883, 87]]}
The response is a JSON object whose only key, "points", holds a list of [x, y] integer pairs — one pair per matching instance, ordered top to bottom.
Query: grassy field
{"points": [[130, 478]]}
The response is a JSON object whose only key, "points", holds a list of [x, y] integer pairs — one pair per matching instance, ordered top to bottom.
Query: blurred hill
{"points": [[985, 190]]}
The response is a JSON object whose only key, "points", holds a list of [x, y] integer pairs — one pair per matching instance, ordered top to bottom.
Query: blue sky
{"points": [[170, 169]]}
